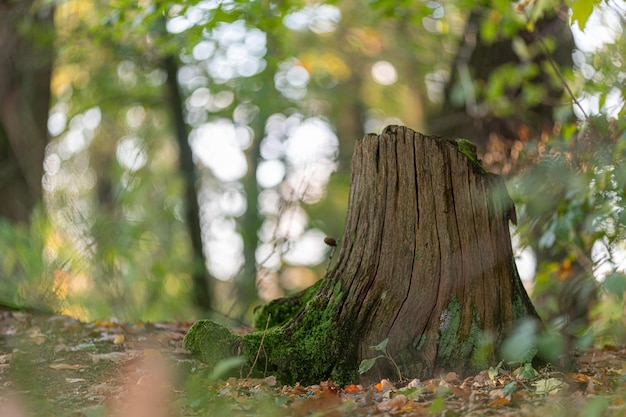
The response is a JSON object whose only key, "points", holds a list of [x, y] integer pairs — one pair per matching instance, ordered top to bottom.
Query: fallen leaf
{"points": [[113, 357], [64, 366], [452, 377], [585, 378], [270, 381], [415, 383], [386, 385], [549, 386], [353, 388], [495, 394], [498, 402], [394, 403], [322, 404]]}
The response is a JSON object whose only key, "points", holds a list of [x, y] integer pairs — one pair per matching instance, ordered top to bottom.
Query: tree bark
{"points": [[26, 56], [477, 61], [426, 262], [202, 281]]}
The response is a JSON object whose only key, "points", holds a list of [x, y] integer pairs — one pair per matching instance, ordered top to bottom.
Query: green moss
{"points": [[468, 149], [284, 309], [448, 339], [211, 342], [476, 342], [309, 350], [454, 351]]}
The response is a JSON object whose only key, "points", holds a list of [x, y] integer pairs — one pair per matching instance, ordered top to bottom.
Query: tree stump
{"points": [[425, 262]]}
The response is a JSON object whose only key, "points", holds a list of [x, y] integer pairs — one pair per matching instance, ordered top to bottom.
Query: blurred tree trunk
{"points": [[26, 58], [270, 102], [467, 112], [349, 118], [501, 135], [250, 223], [426, 262], [202, 285]]}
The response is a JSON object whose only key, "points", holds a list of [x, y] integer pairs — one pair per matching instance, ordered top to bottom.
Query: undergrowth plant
{"points": [[367, 364]]}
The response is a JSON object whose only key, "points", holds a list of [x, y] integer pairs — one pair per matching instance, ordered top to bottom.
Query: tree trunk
{"points": [[26, 55], [499, 134], [426, 262], [202, 281]]}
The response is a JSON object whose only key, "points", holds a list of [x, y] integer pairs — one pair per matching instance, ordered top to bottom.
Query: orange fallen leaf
{"points": [[585, 378], [353, 388], [498, 402]]}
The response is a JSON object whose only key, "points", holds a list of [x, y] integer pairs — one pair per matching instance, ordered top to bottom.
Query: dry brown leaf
{"points": [[112, 356], [452, 378], [494, 394], [326, 401], [394, 403]]}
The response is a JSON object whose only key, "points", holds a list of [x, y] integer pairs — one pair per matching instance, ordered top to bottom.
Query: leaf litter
{"points": [[58, 366]]}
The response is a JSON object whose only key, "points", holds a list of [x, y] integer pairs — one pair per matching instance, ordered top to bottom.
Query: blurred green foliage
{"points": [[572, 202], [112, 241], [29, 271]]}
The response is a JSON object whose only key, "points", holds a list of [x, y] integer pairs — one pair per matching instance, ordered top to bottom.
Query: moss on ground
{"points": [[211, 342], [309, 349]]}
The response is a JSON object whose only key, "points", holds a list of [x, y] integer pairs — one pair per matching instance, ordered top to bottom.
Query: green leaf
{"points": [[581, 10], [615, 284], [381, 347], [528, 355], [366, 364], [224, 366], [493, 371], [527, 372], [510, 388], [410, 392], [437, 406], [596, 407]]}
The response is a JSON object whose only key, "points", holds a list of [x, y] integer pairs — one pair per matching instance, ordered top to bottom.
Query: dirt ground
{"points": [[58, 366]]}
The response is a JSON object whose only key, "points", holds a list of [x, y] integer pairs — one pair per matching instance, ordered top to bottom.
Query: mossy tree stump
{"points": [[425, 262]]}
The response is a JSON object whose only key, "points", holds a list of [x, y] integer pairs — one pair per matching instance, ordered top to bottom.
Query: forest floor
{"points": [[57, 366]]}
